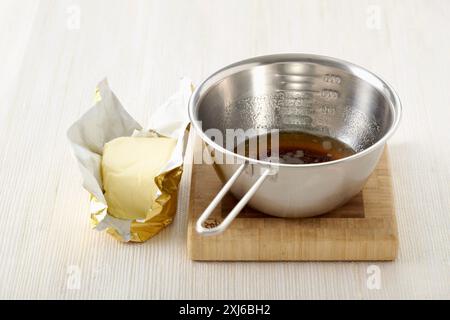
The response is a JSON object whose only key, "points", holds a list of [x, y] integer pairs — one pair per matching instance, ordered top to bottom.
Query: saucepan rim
{"points": [[356, 70]]}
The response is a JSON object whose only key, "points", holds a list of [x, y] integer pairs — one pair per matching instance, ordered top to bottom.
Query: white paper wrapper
{"points": [[108, 120]]}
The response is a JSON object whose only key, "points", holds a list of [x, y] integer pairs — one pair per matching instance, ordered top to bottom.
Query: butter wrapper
{"points": [[108, 120]]}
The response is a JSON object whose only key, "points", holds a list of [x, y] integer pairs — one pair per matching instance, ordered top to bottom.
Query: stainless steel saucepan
{"points": [[308, 93]]}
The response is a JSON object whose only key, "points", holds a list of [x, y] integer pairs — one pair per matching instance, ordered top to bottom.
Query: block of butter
{"points": [[129, 168], [132, 174]]}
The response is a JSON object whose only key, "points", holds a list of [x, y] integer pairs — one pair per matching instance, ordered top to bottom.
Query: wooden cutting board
{"points": [[363, 229]]}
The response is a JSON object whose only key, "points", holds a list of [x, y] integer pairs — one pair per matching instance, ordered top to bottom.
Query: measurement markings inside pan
{"points": [[297, 77], [328, 78], [301, 83], [325, 93]]}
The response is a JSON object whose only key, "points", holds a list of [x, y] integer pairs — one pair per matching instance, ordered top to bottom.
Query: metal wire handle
{"points": [[239, 206]]}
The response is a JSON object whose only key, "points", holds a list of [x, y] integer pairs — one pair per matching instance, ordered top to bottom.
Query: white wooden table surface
{"points": [[52, 54]]}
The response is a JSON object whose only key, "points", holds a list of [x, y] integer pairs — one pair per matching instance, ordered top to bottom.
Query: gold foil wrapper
{"points": [[163, 210]]}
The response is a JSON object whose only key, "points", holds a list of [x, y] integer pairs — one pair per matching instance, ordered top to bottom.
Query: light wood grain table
{"points": [[53, 53]]}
